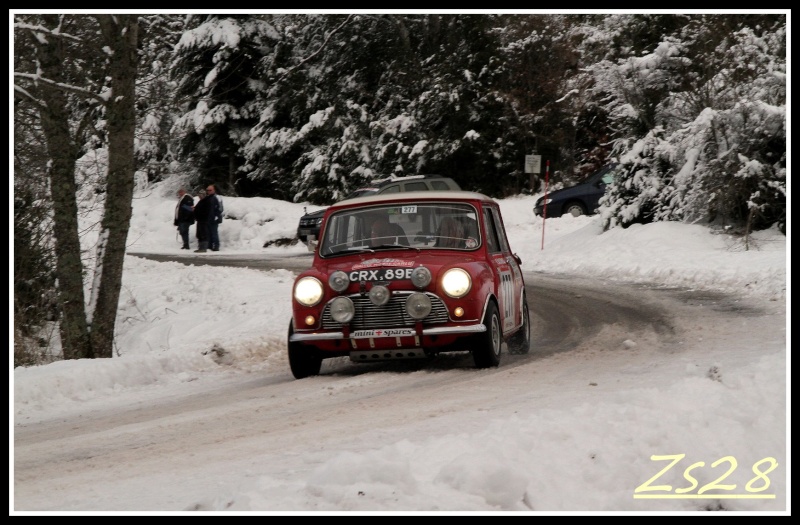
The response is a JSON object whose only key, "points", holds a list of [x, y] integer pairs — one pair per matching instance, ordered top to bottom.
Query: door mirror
{"points": [[312, 243], [517, 258]]}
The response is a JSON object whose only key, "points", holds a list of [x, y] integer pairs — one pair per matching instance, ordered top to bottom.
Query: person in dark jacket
{"points": [[202, 214], [184, 216], [216, 217]]}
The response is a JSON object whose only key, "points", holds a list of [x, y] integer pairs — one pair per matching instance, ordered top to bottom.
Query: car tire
{"points": [[576, 209], [520, 342], [487, 345], [304, 360]]}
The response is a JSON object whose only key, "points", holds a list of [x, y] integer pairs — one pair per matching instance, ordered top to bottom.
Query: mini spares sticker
{"points": [[392, 332]]}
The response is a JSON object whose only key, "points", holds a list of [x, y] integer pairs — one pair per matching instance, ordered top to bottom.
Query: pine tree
{"points": [[216, 70]]}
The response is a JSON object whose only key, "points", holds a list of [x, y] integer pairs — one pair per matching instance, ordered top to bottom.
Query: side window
{"points": [[608, 178], [439, 185], [416, 186], [394, 188], [341, 231], [501, 232], [492, 244]]}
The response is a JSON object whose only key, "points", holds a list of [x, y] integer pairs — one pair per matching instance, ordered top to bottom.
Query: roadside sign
{"points": [[533, 163]]}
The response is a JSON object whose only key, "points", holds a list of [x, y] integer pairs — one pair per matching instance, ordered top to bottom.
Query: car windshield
{"points": [[431, 225]]}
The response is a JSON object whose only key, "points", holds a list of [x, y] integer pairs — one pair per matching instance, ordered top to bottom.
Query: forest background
{"points": [[308, 107]]}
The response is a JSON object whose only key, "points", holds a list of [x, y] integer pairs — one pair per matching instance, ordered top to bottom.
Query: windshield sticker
{"points": [[409, 209], [471, 242], [377, 263]]}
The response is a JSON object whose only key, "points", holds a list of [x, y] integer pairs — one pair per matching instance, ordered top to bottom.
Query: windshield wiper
{"points": [[403, 246], [352, 249], [372, 249]]}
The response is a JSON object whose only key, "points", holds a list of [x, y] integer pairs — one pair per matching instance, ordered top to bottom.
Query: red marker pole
{"points": [[544, 208]]}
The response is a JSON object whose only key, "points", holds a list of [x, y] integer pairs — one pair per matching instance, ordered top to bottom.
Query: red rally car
{"points": [[409, 275]]}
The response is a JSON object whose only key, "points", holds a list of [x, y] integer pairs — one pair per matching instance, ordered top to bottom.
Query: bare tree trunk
{"points": [[121, 34], [63, 154], [232, 171], [749, 228], [86, 331]]}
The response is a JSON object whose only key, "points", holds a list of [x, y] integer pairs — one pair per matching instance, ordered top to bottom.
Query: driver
{"points": [[380, 232]]}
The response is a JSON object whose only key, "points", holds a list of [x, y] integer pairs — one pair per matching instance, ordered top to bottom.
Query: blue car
{"points": [[581, 199]]}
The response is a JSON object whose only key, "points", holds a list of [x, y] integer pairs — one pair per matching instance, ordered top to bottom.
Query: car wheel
{"points": [[575, 209], [520, 343], [487, 346], [304, 360]]}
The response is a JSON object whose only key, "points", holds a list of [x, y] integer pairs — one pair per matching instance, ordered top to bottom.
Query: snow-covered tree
{"points": [[216, 68], [713, 95], [156, 104], [314, 140], [643, 191]]}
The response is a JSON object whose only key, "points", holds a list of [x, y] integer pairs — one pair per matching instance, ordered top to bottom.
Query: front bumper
{"points": [[304, 233], [439, 330]]}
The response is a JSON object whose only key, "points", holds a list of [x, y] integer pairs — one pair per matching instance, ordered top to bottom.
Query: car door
{"points": [[505, 267]]}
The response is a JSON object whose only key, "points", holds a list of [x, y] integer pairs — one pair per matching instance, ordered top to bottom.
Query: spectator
{"points": [[202, 215], [184, 217], [216, 217]]}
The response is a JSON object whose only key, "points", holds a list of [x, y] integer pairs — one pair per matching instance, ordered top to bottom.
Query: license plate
{"points": [[381, 274]]}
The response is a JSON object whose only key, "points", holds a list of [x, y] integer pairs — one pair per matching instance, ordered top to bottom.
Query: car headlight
{"points": [[421, 277], [338, 281], [456, 282], [308, 291], [379, 295], [418, 305], [342, 310]]}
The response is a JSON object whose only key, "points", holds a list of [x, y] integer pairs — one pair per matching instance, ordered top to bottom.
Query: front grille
{"points": [[391, 315]]}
